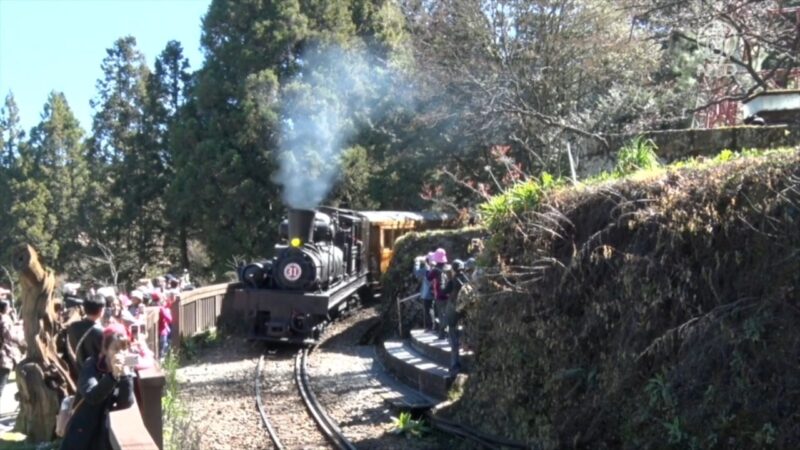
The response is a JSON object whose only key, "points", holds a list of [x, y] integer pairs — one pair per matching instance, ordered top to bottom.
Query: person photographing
{"points": [[105, 384]]}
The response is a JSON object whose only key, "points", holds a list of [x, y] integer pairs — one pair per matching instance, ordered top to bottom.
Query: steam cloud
{"points": [[321, 108]]}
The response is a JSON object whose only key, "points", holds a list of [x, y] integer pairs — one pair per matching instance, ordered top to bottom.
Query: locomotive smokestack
{"points": [[301, 225]]}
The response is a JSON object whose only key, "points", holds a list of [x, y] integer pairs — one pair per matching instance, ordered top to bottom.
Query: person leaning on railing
{"points": [[105, 384]]}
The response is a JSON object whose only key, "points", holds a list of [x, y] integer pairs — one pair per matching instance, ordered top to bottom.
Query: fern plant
{"points": [[638, 154], [405, 425]]}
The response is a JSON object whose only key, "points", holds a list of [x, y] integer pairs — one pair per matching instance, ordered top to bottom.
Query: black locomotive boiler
{"points": [[319, 269]]}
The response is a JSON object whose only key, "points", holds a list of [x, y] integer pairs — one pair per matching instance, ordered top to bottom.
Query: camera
{"points": [[136, 330], [131, 360]]}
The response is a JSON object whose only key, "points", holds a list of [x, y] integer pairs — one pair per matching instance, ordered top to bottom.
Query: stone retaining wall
{"points": [[680, 144]]}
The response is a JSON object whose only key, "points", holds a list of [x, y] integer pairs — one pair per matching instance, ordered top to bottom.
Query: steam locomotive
{"points": [[328, 259]]}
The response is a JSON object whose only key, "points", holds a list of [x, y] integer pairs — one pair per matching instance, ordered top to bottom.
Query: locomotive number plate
{"points": [[292, 271]]}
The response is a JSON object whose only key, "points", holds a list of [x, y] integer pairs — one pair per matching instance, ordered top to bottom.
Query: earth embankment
{"points": [[659, 311]]}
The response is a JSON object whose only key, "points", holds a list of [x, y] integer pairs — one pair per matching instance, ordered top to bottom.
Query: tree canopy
{"points": [[400, 105]]}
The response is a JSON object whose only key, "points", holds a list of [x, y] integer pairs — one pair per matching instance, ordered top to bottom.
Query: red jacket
{"points": [[164, 320]]}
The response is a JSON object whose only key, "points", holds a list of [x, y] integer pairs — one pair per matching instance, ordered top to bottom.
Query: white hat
{"points": [[69, 288], [107, 291], [137, 294]]}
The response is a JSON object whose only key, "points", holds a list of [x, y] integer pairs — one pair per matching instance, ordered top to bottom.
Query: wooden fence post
{"points": [[176, 324], [151, 389]]}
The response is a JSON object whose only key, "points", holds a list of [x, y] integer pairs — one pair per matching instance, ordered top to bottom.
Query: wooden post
{"points": [[176, 324], [42, 378], [151, 388], [128, 432]]}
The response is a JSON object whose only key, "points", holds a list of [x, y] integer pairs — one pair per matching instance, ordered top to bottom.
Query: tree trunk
{"points": [[184, 238], [42, 378]]}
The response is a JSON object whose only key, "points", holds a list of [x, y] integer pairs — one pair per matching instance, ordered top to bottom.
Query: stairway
{"points": [[422, 362]]}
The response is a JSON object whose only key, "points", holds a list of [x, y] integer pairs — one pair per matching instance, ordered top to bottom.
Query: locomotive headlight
{"points": [[296, 242]]}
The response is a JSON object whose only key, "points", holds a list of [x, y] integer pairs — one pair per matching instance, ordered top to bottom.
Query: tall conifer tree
{"points": [[252, 49], [56, 145], [117, 156]]}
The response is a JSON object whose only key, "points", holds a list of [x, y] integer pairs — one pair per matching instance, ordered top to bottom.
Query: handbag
{"points": [[65, 413]]}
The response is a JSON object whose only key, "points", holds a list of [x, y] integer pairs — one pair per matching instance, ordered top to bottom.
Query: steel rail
{"points": [[325, 423], [470, 434], [273, 435]]}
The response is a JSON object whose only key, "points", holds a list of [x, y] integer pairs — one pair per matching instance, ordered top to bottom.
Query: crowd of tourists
{"points": [[441, 282], [107, 345]]}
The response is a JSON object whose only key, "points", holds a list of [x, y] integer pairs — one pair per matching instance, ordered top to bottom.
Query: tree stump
{"points": [[42, 377]]}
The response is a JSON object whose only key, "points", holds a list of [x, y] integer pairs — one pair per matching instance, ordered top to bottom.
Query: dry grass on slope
{"points": [[659, 311]]}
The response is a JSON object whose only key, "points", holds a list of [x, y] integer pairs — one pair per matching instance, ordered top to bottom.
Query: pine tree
{"points": [[253, 48], [166, 98], [13, 135], [56, 146], [117, 157], [32, 221]]}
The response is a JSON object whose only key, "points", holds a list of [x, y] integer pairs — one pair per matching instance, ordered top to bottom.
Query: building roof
{"points": [[772, 92], [404, 216]]}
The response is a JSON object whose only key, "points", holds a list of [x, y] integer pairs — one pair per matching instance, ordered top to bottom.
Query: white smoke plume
{"points": [[321, 108]]}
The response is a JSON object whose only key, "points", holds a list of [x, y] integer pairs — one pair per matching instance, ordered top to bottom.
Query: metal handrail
{"points": [[400, 312]]}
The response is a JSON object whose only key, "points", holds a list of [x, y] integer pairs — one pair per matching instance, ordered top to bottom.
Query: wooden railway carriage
{"points": [[327, 259]]}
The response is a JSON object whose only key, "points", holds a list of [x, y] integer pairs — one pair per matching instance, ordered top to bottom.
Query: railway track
{"points": [[283, 415], [328, 426]]}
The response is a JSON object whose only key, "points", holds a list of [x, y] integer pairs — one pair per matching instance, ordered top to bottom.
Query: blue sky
{"points": [[58, 45]]}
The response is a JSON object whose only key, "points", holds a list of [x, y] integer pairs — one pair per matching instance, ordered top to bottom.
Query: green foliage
{"points": [[639, 154], [516, 200], [192, 346], [176, 420], [405, 425]]}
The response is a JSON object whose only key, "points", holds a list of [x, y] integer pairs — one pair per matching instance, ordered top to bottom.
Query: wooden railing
{"points": [[196, 312], [139, 427]]}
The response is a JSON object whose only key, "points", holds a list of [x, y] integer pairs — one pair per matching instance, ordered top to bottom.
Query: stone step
{"points": [[429, 344], [415, 369], [399, 396]]}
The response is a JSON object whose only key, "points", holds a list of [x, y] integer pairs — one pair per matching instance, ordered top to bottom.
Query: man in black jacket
{"points": [[85, 337]]}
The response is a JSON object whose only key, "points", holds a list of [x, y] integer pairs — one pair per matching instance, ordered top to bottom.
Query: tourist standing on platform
{"points": [[421, 268], [438, 278], [454, 287], [136, 307], [164, 326], [10, 341], [105, 384]]}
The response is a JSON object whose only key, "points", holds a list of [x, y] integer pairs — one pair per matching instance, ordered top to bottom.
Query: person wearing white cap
{"points": [[136, 307]]}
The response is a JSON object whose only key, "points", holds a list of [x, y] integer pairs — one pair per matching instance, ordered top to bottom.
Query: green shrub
{"points": [[639, 154], [517, 199], [409, 427]]}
